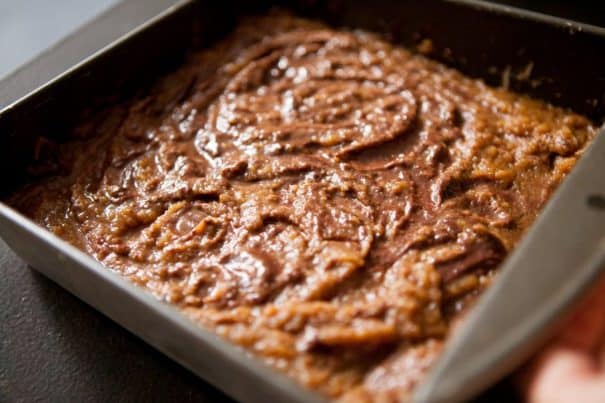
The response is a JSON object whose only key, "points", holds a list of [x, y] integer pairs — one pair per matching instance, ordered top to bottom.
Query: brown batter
{"points": [[324, 199]]}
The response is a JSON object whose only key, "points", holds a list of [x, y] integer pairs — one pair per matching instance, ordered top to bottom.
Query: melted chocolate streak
{"points": [[319, 197]]}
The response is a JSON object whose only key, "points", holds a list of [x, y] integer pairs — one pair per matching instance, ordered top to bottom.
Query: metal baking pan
{"points": [[550, 58]]}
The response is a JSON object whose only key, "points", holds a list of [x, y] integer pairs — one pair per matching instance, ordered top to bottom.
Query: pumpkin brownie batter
{"points": [[324, 199]]}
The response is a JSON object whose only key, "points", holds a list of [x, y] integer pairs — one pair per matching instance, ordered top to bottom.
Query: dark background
{"points": [[588, 11], [53, 347]]}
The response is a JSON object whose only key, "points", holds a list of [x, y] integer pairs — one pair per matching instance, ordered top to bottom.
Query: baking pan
{"points": [[553, 59]]}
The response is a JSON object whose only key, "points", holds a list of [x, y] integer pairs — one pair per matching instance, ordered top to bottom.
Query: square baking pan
{"points": [[556, 60]]}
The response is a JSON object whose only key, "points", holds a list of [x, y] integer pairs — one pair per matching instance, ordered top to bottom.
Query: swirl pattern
{"points": [[326, 200]]}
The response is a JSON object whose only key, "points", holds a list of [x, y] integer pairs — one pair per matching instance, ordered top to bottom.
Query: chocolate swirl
{"points": [[322, 198]]}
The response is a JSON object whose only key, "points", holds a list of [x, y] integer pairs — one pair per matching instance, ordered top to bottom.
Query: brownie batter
{"points": [[324, 199]]}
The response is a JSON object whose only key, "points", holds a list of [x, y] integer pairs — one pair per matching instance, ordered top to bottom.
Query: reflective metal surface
{"points": [[561, 256]]}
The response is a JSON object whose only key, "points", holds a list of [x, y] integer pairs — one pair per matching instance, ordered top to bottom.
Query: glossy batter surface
{"points": [[324, 199]]}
